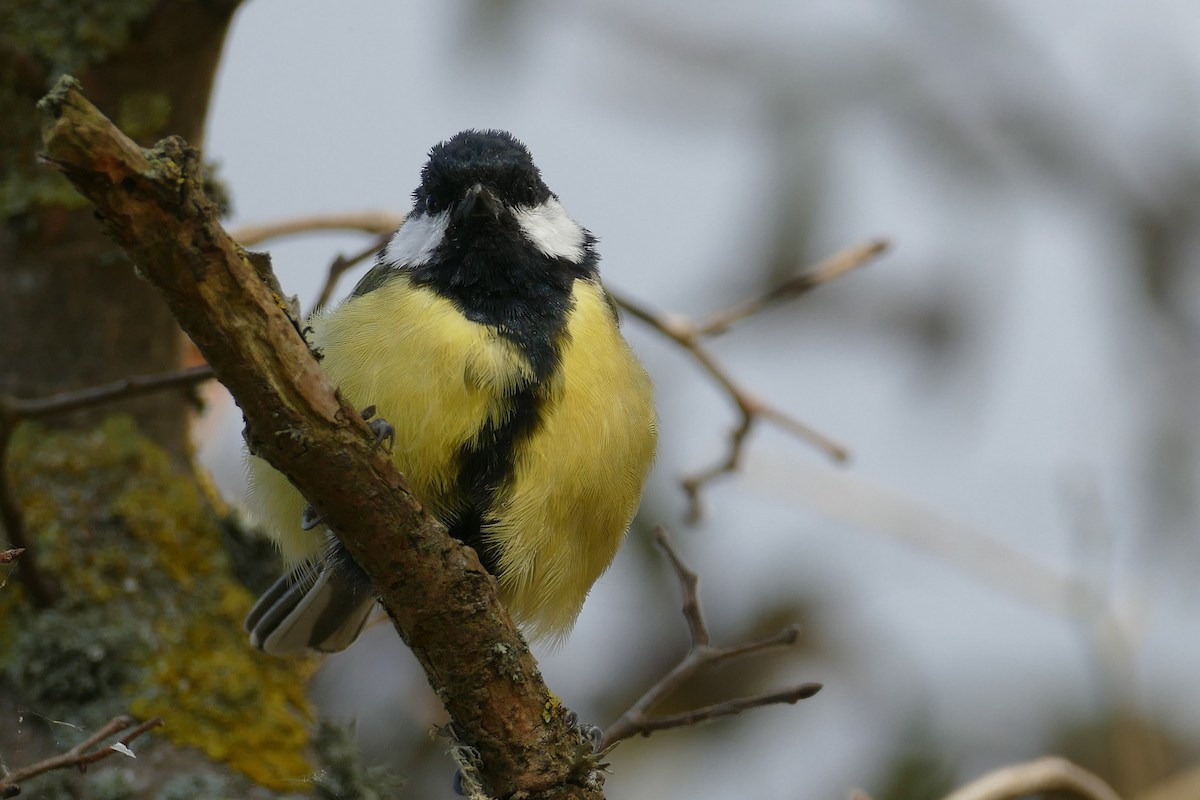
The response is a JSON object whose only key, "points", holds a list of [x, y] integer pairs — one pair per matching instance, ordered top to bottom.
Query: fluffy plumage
{"points": [[523, 420]]}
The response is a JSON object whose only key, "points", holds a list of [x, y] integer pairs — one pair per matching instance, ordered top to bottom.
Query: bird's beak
{"points": [[480, 202]]}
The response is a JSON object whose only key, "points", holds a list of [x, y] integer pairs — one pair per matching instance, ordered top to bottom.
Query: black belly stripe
{"points": [[496, 278], [486, 467]]}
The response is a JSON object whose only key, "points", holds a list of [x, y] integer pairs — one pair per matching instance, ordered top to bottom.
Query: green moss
{"points": [[71, 34], [66, 36], [143, 114], [23, 182], [217, 190], [151, 613], [73, 662], [344, 776], [113, 784], [194, 787]]}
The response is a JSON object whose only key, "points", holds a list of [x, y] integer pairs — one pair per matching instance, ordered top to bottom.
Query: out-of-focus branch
{"points": [[376, 222], [380, 223], [343, 264], [830, 269], [690, 335], [114, 391], [440, 598], [637, 719], [81, 755], [1048, 774]]}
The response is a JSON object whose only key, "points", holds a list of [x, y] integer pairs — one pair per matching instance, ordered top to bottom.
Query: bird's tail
{"points": [[298, 613]]}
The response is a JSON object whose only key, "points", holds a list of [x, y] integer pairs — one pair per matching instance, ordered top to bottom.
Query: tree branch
{"points": [[376, 222], [690, 336], [441, 600], [637, 720], [82, 754], [1049, 774]]}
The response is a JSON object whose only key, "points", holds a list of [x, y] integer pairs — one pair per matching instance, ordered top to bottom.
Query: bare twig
{"points": [[376, 222], [380, 223], [342, 264], [831, 268], [123, 389], [751, 409], [15, 410], [9, 556], [637, 720], [81, 755], [1048, 774]]}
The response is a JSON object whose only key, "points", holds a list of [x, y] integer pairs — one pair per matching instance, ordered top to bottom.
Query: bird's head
{"points": [[476, 175], [479, 188]]}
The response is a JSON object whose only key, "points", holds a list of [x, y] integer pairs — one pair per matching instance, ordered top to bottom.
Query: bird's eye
{"points": [[431, 205]]}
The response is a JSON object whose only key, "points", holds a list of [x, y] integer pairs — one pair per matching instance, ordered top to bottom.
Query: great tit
{"points": [[522, 418]]}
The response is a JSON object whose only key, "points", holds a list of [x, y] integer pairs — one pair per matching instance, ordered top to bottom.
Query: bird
{"points": [[522, 419]]}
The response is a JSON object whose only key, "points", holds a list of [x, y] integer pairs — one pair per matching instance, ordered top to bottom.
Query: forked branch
{"points": [[638, 721], [87, 752]]}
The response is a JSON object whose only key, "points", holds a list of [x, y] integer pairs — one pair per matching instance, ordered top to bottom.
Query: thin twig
{"points": [[377, 222], [380, 223], [342, 264], [833, 267], [123, 389], [751, 409], [15, 410], [9, 556], [727, 709], [637, 720], [82, 754], [1049, 774]]}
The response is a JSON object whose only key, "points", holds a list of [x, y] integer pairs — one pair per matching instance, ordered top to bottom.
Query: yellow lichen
{"points": [[118, 529], [552, 708]]}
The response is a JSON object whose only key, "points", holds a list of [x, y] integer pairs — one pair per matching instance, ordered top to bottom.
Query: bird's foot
{"points": [[379, 426], [309, 518], [589, 733]]}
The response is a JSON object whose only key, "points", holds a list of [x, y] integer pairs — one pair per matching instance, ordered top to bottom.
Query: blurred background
{"points": [[1006, 567]]}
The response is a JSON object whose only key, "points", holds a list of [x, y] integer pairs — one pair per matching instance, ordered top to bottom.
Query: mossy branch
{"points": [[442, 601]]}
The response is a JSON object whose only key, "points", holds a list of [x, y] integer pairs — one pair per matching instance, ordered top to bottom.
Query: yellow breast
{"points": [[438, 378]]}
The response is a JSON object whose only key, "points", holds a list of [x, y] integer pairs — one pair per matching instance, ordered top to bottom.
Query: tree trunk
{"points": [[73, 311]]}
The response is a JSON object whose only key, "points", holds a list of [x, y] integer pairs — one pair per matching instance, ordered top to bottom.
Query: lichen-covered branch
{"points": [[442, 601]]}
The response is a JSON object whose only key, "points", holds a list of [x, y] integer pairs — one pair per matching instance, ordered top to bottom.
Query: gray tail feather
{"points": [[295, 614]]}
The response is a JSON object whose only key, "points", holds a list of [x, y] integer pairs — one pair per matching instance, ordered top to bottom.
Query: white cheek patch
{"points": [[551, 231], [414, 243]]}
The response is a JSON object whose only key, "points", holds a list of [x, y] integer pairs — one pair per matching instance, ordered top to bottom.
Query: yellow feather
{"points": [[438, 378]]}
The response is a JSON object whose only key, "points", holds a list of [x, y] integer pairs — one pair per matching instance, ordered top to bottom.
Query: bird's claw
{"points": [[379, 426], [309, 518], [588, 732]]}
